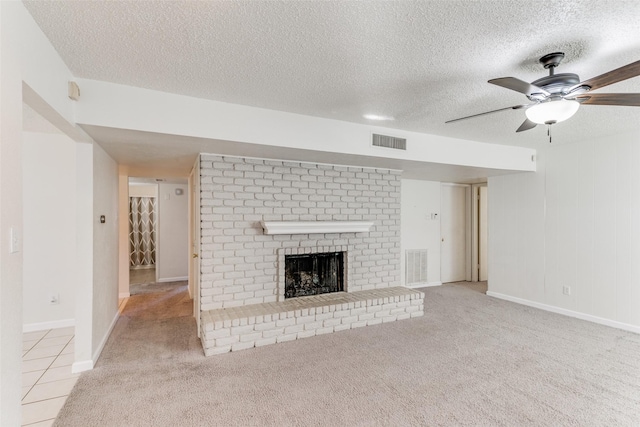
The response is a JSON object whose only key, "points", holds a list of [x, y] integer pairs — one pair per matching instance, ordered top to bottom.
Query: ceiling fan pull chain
{"points": [[549, 133]]}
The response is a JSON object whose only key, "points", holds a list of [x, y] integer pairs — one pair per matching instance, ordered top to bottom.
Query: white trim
{"points": [[475, 195], [313, 227], [467, 227], [475, 230], [172, 279], [423, 285], [124, 295], [565, 312], [43, 326], [96, 354], [84, 365], [87, 365]]}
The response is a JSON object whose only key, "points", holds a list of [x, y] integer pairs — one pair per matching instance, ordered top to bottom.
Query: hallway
{"points": [[172, 301]]}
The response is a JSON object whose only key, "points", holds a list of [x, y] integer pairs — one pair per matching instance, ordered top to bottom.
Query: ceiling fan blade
{"points": [[613, 76], [518, 85], [623, 99], [515, 107], [526, 125]]}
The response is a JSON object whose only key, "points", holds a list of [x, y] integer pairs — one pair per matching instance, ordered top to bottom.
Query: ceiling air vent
{"points": [[389, 142]]}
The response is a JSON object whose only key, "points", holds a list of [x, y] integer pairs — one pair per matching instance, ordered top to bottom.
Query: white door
{"points": [[453, 212], [482, 234]]}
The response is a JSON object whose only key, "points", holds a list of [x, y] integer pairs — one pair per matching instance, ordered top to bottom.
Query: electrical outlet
{"points": [[566, 290], [54, 299]]}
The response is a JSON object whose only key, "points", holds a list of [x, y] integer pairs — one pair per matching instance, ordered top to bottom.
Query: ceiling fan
{"points": [[557, 97]]}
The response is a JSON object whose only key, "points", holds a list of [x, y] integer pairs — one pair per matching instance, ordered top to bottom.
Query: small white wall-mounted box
{"points": [[74, 91], [14, 241]]}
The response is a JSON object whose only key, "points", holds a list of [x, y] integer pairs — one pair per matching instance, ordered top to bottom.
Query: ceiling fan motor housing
{"points": [[557, 84]]}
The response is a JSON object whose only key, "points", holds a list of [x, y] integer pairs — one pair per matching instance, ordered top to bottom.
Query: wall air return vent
{"points": [[389, 142], [416, 266]]}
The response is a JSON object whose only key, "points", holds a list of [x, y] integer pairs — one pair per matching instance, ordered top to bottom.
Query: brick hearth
{"points": [[256, 325]]}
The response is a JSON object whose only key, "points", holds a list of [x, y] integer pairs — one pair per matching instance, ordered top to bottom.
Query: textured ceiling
{"points": [[420, 62]]}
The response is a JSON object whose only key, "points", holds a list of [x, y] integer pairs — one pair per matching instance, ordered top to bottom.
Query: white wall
{"points": [[29, 66], [143, 190], [10, 217], [575, 223], [418, 231], [123, 232], [105, 248], [49, 257], [84, 258], [172, 262]]}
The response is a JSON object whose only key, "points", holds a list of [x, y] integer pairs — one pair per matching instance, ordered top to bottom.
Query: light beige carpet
{"points": [[153, 287], [168, 303], [471, 360]]}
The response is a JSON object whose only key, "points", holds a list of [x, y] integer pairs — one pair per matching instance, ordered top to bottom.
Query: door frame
{"points": [[467, 228], [475, 230], [194, 240]]}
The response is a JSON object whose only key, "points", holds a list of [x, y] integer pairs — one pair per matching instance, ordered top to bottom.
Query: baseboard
{"points": [[173, 279], [422, 285], [124, 295], [565, 312], [43, 326], [96, 354], [84, 365], [87, 365]]}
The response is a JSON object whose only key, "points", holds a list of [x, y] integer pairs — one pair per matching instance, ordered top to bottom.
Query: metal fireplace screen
{"points": [[313, 274]]}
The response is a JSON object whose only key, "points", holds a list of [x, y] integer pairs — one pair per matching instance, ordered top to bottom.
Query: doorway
{"points": [[143, 222], [454, 232], [158, 234], [479, 254], [483, 272]]}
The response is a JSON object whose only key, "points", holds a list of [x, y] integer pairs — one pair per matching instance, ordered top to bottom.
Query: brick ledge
{"points": [[238, 328]]}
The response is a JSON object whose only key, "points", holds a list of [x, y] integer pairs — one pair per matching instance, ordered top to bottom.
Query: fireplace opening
{"points": [[313, 274]]}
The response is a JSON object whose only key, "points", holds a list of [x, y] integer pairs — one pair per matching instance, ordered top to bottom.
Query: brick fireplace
{"points": [[243, 266]]}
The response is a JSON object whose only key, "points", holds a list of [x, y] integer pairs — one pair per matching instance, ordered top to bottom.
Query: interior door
{"points": [[453, 214], [482, 234]]}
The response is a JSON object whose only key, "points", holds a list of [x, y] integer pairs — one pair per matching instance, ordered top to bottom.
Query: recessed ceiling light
{"points": [[377, 117]]}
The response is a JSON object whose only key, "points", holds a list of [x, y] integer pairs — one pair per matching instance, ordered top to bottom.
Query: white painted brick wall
{"points": [[239, 263]]}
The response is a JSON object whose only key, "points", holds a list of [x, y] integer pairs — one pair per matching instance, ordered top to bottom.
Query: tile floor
{"points": [[46, 374], [47, 380]]}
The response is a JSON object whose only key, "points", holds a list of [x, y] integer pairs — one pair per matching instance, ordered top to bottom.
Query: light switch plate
{"points": [[14, 241]]}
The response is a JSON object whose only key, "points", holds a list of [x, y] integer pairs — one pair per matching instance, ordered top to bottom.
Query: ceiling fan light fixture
{"points": [[552, 111]]}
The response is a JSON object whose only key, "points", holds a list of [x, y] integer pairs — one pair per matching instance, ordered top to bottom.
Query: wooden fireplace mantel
{"points": [[314, 227]]}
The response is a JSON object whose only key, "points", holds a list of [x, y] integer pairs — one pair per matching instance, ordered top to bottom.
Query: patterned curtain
{"points": [[142, 236]]}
